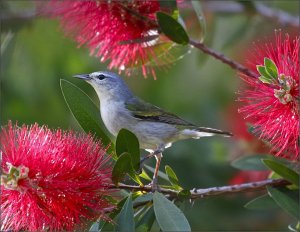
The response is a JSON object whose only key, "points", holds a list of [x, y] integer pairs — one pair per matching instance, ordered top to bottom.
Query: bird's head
{"points": [[106, 84]]}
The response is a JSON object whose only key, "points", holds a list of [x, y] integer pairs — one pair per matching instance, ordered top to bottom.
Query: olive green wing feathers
{"points": [[148, 112]]}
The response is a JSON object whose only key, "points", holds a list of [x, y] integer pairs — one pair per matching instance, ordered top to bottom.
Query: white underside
{"points": [[195, 134]]}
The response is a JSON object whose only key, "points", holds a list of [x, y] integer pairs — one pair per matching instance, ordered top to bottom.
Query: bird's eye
{"points": [[101, 77]]}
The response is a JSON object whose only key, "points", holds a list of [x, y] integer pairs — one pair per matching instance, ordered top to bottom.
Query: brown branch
{"points": [[231, 7], [275, 14], [16, 17], [219, 56], [246, 187], [214, 191], [202, 193]]}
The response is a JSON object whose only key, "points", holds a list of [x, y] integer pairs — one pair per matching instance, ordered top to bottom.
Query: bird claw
{"points": [[154, 185]]}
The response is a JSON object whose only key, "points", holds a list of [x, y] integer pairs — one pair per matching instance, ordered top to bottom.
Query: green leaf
{"points": [[172, 29], [197, 29], [271, 68], [262, 71], [264, 74], [265, 80], [85, 111], [127, 142], [251, 162], [122, 167], [283, 171], [160, 173], [145, 176], [274, 176], [172, 177], [143, 198], [110, 199], [286, 199], [261, 203], [117, 210], [168, 216], [125, 220], [146, 221], [105, 226], [109, 226], [94, 227], [294, 228]]}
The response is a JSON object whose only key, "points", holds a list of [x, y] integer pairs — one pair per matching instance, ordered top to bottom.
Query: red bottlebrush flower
{"points": [[122, 32], [272, 100], [248, 176], [51, 180]]}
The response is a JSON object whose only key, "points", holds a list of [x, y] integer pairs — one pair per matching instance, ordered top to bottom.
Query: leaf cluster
{"points": [[287, 197]]}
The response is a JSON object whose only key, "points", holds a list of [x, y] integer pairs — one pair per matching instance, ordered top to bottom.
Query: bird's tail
{"points": [[214, 131], [198, 132]]}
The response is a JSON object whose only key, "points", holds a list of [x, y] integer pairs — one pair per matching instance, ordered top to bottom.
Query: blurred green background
{"points": [[35, 55]]}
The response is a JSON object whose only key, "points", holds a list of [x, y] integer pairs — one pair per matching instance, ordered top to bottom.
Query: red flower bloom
{"points": [[123, 32], [271, 102], [248, 176], [51, 180]]}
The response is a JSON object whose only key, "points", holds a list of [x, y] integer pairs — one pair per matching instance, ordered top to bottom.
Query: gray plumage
{"points": [[155, 128]]}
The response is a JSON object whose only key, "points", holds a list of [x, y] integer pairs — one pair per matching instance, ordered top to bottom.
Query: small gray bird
{"points": [[155, 128]]}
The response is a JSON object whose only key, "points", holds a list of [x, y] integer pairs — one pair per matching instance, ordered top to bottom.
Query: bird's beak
{"points": [[83, 76]]}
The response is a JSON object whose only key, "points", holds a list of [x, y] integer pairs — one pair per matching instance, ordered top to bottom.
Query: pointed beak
{"points": [[83, 76]]}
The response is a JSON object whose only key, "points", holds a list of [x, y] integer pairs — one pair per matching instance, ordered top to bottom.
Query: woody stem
{"points": [[197, 193]]}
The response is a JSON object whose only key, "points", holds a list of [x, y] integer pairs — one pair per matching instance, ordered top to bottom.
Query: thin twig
{"points": [[231, 7], [275, 14], [16, 17], [219, 56], [230, 189], [208, 192], [202, 193]]}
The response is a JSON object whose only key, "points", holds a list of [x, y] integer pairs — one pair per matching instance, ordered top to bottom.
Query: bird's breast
{"points": [[115, 116], [150, 134]]}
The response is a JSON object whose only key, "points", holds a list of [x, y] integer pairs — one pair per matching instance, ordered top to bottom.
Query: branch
{"points": [[275, 14], [278, 15], [18, 17], [223, 58], [246, 187], [208, 192], [201, 193]]}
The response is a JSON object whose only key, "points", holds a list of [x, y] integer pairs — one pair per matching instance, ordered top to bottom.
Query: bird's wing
{"points": [[148, 112]]}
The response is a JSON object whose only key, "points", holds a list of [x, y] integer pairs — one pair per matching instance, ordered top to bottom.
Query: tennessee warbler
{"points": [[155, 128]]}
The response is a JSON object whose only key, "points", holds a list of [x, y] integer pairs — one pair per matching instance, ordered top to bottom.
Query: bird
{"points": [[155, 128]]}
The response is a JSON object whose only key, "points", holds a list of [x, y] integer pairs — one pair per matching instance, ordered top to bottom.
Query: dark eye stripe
{"points": [[101, 77]]}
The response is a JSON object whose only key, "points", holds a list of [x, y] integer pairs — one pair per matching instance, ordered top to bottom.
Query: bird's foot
{"points": [[154, 185]]}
